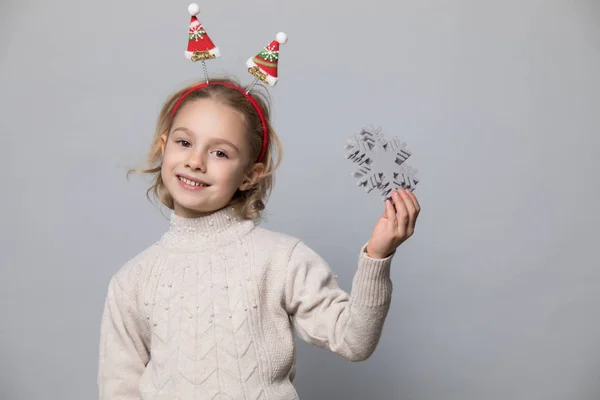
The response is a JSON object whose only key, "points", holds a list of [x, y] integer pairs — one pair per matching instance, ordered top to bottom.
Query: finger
{"points": [[410, 207], [401, 211]]}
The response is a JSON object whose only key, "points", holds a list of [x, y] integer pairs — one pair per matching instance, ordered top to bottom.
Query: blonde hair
{"points": [[248, 204]]}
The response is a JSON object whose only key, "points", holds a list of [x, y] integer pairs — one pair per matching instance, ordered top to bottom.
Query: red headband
{"points": [[248, 96]]}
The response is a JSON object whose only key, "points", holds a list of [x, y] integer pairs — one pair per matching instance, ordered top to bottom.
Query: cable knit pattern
{"points": [[209, 312]]}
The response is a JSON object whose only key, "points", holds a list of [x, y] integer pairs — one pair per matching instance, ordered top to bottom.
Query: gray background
{"points": [[496, 294]]}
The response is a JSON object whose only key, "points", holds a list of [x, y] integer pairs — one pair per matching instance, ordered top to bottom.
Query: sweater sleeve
{"points": [[348, 324], [124, 347]]}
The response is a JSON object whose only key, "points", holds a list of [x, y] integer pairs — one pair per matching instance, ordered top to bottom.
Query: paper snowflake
{"points": [[380, 163]]}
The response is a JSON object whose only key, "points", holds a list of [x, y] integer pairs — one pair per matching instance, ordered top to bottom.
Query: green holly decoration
{"points": [[197, 34], [269, 55]]}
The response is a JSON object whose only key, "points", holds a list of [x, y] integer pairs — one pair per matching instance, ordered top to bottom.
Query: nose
{"points": [[196, 161]]}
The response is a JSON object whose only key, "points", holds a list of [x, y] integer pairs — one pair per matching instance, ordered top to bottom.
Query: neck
{"points": [[211, 230]]}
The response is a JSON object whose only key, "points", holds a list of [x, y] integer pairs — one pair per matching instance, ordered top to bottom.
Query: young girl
{"points": [[210, 310]]}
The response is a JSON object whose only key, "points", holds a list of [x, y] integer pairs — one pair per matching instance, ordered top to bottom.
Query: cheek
{"points": [[171, 158], [170, 162], [164, 173], [232, 175]]}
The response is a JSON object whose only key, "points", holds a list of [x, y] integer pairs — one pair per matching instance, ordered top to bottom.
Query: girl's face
{"points": [[206, 157]]}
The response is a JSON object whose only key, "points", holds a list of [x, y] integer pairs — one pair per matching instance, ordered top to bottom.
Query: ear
{"points": [[163, 143], [256, 172]]}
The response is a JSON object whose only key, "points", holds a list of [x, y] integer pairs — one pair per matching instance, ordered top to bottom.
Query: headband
{"points": [[263, 66]]}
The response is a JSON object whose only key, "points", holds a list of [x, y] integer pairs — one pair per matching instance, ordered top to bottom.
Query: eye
{"points": [[183, 143], [219, 154]]}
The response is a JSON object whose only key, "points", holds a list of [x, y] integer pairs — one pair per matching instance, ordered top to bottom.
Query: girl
{"points": [[209, 311]]}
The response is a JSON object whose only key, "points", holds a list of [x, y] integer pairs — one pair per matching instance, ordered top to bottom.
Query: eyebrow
{"points": [[213, 139]]}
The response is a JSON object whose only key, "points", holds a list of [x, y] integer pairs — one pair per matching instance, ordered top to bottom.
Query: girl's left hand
{"points": [[395, 225]]}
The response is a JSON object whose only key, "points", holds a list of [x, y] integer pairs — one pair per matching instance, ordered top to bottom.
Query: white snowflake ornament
{"points": [[380, 163]]}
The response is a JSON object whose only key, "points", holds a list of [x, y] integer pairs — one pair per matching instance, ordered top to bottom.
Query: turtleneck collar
{"points": [[216, 229]]}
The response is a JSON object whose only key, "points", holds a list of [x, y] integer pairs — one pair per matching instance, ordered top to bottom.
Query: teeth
{"points": [[191, 183]]}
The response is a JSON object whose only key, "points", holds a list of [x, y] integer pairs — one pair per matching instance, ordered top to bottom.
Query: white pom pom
{"points": [[193, 9], [281, 37]]}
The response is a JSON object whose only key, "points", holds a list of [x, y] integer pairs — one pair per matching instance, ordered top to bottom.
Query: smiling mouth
{"points": [[191, 182]]}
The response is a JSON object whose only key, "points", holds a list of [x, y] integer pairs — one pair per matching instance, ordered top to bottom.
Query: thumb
{"points": [[385, 213], [390, 213]]}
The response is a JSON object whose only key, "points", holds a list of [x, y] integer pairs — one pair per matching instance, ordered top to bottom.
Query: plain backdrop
{"points": [[495, 297]]}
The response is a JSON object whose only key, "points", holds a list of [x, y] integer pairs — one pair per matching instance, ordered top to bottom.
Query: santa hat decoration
{"points": [[200, 47], [264, 65]]}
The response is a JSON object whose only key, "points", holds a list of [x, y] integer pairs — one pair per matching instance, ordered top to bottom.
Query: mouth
{"points": [[195, 183]]}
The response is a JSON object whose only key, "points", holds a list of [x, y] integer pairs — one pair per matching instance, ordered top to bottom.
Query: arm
{"points": [[348, 324], [124, 349]]}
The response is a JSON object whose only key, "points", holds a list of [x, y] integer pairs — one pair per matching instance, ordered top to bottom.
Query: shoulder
{"points": [[274, 240], [273, 247], [285, 247], [129, 275]]}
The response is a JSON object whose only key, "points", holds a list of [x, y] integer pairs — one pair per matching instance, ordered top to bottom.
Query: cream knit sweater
{"points": [[210, 310]]}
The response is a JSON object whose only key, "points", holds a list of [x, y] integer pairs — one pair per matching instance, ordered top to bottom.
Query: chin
{"points": [[201, 201]]}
